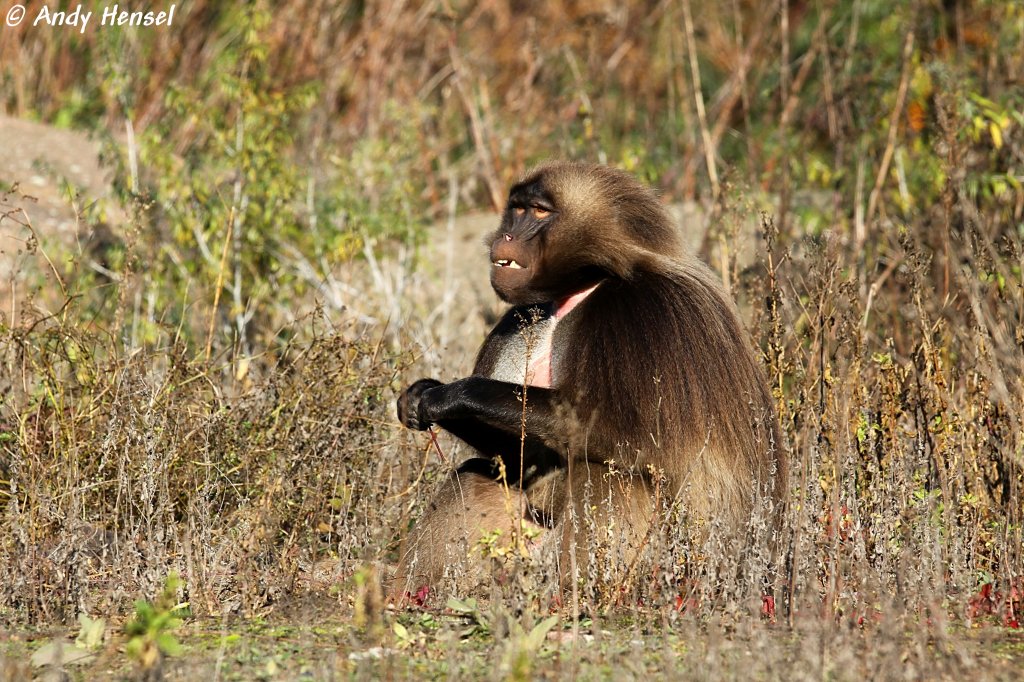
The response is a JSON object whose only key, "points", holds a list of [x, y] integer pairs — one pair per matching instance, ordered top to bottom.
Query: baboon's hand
{"points": [[409, 404]]}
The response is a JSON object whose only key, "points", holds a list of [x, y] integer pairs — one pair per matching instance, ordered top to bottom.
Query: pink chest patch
{"points": [[539, 371]]}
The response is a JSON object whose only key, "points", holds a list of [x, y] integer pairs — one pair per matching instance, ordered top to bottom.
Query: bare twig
{"points": [[698, 96], [728, 96], [476, 127], [890, 144], [133, 154], [220, 282], [875, 287], [423, 465]]}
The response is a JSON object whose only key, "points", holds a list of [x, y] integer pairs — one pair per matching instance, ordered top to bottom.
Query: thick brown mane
{"points": [[677, 388]]}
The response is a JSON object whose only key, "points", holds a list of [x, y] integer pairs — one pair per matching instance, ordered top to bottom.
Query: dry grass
{"points": [[884, 287], [292, 479]]}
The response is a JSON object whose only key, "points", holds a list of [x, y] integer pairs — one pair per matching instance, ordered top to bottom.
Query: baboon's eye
{"points": [[519, 210], [540, 213]]}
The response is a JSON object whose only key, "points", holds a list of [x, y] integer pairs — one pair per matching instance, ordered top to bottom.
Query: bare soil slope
{"points": [[47, 177]]}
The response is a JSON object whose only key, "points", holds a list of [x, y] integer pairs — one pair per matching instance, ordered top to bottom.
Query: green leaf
{"points": [[984, 101], [997, 134], [459, 606], [539, 633], [91, 635], [166, 642], [133, 649], [58, 652]]}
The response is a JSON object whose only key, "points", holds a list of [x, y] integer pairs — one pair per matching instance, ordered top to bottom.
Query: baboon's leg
{"points": [[466, 507], [607, 519]]}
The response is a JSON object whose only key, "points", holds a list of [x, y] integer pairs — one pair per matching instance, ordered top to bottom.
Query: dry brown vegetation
{"points": [[203, 382]]}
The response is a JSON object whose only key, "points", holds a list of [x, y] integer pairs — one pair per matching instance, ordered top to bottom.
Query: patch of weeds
{"points": [[478, 623], [152, 631], [523, 649]]}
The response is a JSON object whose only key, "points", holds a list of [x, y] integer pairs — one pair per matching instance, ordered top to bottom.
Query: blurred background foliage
{"points": [[267, 142], [265, 152]]}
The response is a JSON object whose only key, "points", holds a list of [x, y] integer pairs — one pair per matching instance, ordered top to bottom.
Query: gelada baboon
{"points": [[639, 380]]}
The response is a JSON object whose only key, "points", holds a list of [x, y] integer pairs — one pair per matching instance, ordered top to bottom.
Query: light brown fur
{"points": [[447, 540]]}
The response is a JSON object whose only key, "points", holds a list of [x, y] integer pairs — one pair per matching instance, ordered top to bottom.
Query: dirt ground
{"points": [[48, 176]]}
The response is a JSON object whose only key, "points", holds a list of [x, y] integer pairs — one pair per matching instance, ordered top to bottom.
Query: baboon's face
{"points": [[517, 248], [540, 252]]}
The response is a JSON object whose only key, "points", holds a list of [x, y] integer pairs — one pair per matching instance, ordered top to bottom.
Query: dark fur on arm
{"points": [[468, 404], [488, 416]]}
